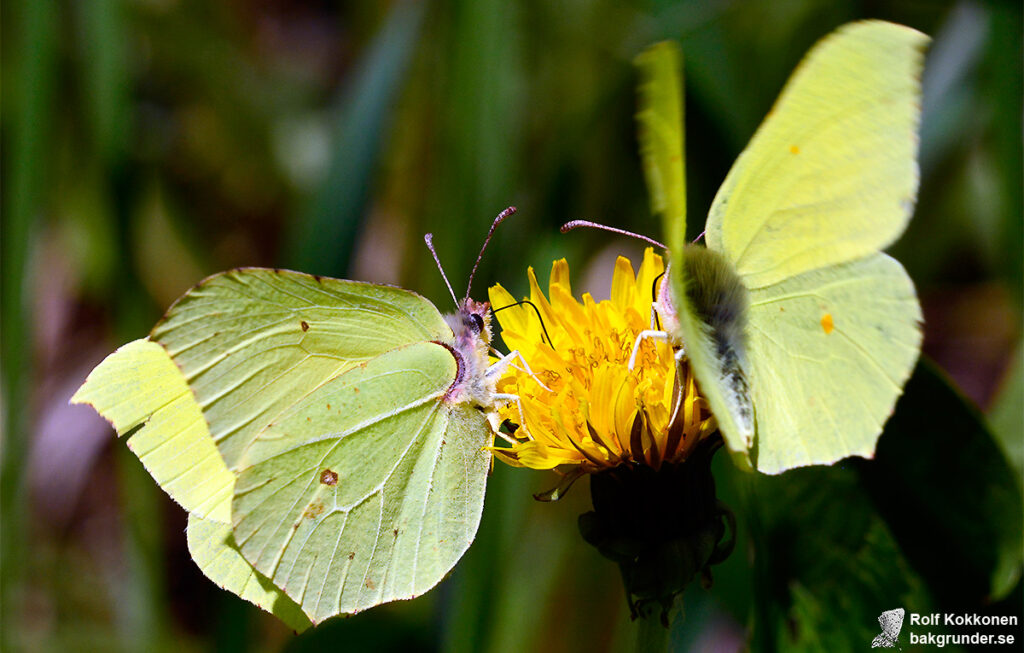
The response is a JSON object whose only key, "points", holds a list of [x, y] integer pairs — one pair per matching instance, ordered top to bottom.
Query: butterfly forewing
{"points": [[660, 125], [831, 175], [253, 341], [140, 391]]}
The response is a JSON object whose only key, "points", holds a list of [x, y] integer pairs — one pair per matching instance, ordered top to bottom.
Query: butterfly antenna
{"points": [[498, 220], [569, 226], [700, 236], [429, 239], [534, 307]]}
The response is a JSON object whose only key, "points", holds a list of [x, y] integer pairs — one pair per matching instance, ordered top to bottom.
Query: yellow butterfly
{"points": [[801, 332]]}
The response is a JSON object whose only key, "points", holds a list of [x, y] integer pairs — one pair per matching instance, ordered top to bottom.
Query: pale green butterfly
{"points": [[801, 333], [327, 437]]}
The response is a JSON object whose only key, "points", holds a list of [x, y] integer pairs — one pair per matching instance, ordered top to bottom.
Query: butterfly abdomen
{"points": [[737, 390]]}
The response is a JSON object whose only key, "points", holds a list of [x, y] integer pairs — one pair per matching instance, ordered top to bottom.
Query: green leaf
{"points": [[141, 392], [1007, 414], [944, 487], [213, 548], [825, 564]]}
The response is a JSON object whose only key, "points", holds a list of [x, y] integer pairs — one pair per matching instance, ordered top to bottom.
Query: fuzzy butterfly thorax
{"points": [[715, 294], [718, 299], [471, 328]]}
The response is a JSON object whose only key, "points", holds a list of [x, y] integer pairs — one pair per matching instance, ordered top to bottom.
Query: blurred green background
{"points": [[148, 143]]}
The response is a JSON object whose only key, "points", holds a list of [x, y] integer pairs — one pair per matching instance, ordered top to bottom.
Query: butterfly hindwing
{"points": [[831, 350], [369, 488], [212, 547]]}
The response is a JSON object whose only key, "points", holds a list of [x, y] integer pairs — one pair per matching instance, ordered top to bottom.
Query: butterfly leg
{"points": [[648, 333], [497, 369], [510, 398]]}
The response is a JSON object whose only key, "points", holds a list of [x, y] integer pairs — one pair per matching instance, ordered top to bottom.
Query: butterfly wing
{"points": [[660, 128], [831, 175], [828, 180], [252, 341], [250, 351], [829, 352], [142, 392], [367, 490], [212, 547]]}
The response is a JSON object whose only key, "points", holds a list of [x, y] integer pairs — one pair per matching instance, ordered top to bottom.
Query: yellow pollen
{"points": [[594, 412]]}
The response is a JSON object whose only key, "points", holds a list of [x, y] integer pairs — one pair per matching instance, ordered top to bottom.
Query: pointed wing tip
{"points": [[879, 25], [884, 33], [666, 48], [81, 398]]}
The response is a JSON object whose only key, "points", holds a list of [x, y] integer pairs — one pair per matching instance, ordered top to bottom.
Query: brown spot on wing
{"points": [[305, 325], [329, 477], [313, 510]]}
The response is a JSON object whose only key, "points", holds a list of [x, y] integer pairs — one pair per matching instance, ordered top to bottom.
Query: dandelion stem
{"points": [[651, 634]]}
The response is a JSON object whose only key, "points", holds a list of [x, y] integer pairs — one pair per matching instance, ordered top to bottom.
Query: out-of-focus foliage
{"points": [[147, 143]]}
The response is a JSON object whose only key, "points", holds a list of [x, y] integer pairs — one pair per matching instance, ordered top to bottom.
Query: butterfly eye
{"points": [[475, 322]]}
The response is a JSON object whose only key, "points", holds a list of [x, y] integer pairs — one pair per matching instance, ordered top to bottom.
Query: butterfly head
{"points": [[664, 305], [472, 324]]}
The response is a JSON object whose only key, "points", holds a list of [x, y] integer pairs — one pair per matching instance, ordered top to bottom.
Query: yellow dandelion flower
{"points": [[580, 404]]}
